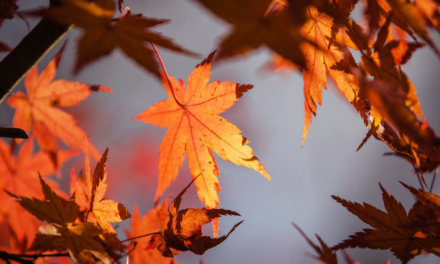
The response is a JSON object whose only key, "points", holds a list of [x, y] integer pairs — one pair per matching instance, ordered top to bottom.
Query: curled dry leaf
{"points": [[149, 223], [182, 230]]}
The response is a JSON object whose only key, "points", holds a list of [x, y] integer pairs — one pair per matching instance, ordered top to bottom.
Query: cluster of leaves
{"points": [[316, 37], [69, 228], [405, 234]]}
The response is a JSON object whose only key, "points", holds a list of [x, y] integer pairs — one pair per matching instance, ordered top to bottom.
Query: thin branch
{"points": [[28, 52], [166, 74], [11, 132], [418, 176], [433, 180], [133, 238], [127, 253], [22, 258]]}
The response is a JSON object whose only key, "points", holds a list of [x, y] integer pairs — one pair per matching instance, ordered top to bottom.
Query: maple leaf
{"points": [[430, 10], [377, 11], [415, 18], [254, 27], [102, 34], [327, 56], [382, 64], [391, 101], [393, 107], [38, 110], [196, 128], [19, 175], [79, 188], [431, 200], [104, 211], [422, 216], [149, 223], [182, 230], [393, 230], [60, 233], [325, 254]]}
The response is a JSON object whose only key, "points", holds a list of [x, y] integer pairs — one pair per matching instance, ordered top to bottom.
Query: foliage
{"points": [[314, 37]]}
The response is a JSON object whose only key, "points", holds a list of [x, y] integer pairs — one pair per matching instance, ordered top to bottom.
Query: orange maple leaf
{"points": [[376, 12], [415, 17], [102, 34], [327, 56], [383, 65], [393, 107], [39, 108], [196, 128], [19, 175], [79, 188], [104, 210], [149, 223], [182, 230], [394, 230]]}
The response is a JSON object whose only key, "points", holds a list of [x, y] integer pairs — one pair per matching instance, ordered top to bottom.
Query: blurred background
{"points": [[271, 116]]}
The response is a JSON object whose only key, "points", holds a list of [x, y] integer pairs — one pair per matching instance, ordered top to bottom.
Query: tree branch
{"points": [[28, 52], [12, 132], [21, 258]]}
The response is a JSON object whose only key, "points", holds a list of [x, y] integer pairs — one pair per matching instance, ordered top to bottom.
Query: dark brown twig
{"points": [[28, 52], [12, 132], [433, 180], [133, 238], [24, 258]]}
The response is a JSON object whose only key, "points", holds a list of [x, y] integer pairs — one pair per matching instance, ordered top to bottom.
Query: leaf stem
{"points": [[271, 8], [28, 52], [166, 74], [418, 176], [433, 180], [133, 238]]}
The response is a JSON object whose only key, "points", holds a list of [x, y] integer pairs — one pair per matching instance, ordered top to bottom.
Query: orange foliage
{"points": [[316, 37], [19, 175], [149, 223]]}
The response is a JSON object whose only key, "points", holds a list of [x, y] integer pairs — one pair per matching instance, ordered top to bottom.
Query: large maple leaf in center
{"points": [[196, 127]]}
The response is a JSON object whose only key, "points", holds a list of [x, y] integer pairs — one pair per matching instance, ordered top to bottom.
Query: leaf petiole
{"points": [[166, 74]]}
